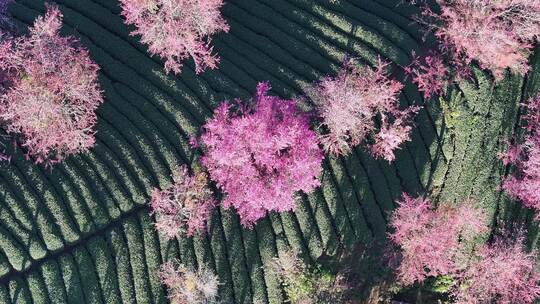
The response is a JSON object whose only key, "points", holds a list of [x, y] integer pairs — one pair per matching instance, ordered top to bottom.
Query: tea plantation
{"points": [[82, 233]]}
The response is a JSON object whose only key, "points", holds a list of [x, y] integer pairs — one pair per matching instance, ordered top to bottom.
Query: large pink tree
{"points": [[177, 29], [499, 34], [49, 91], [351, 103], [260, 154], [431, 241], [501, 272]]}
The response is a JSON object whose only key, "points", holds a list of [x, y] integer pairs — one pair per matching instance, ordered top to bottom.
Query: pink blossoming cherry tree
{"points": [[177, 29], [499, 34], [49, 91], [349, 105], [261, 154], [430, 240], [502, 272]]}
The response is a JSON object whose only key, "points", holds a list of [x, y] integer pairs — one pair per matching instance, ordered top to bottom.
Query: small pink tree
{"points": [[177, 29], [498, 34], [436, 71], [430, 74], [49, 91], [349, 104], [261, 155], [524, 183], [185, 207], [431, 241], [502, 272], [189, 286]]}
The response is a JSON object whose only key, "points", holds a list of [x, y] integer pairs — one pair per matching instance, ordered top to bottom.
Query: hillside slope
{"points": [[81, 233]]}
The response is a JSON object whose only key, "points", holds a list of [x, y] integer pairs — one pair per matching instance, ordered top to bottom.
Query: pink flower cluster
{"points": [[177, 29], [499, 34], [436, 71], [430, 74], [49, 91], [349, 105], [261, 155], [524, 183], [185, 207], [430, 240], [503, 271]]}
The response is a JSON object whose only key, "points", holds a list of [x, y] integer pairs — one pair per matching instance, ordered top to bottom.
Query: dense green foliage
{"points": [[81, 232]]}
